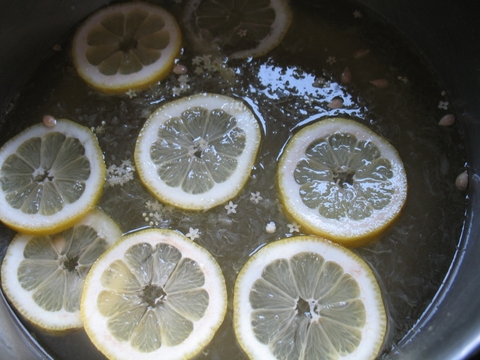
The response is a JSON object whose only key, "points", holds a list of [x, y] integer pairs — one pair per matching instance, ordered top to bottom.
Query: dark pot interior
{"points": [[444, 32]]}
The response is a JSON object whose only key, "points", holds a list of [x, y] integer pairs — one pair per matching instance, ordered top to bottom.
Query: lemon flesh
{"points": [[241, 28], [126, 46], [197, 152], [50, 177], [340, 180], [43, 275], [154, 295], [307, 298]]}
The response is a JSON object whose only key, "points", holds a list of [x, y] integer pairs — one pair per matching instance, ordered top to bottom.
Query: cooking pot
{"points": [[444, 32]]}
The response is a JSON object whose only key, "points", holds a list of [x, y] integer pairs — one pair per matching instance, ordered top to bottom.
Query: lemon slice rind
{"points": [[149, 74], [71, 212], [351, 233], [22, 299], [204, 329], [374, 330]]}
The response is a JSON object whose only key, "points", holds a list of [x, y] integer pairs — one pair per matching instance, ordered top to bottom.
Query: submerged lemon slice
{"points": [[241, 28], [126, 46], [197, 152], [50, 177], [339, 179], [43, 275], [154, 295], [307, 298]]}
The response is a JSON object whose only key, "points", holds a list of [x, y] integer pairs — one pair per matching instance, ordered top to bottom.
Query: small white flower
{"points": [[357, 14], [242, 32], [197, 60], [331, 60], [207, 61], [198, 70], [403, 79], [183, 80], [176, 90], [131, 93], [443, 93], [443, 105], [119, 175], [255, 197], [154, 206], [230, 207], [271, 227], [294, 227], [193, 234]]}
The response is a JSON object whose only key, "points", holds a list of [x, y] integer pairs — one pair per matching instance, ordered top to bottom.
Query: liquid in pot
{"points": [[336, 59]]}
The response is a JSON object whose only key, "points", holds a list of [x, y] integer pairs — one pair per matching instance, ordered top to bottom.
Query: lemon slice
{"points": [[241, 28], [126, 46], [197, 152], [50, 177], [339, 179], [43, 275], [153, 295], [308, 298]]}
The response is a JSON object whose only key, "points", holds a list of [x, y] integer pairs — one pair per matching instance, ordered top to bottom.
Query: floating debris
{"points": [[357, 14], [361, 53], [180, 69], [346, 76], [380, 83], [131, 93], [336, 103], [447, 120], [49, 121], [461, 182], [271, 227]]}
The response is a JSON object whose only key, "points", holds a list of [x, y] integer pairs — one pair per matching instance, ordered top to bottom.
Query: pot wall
{"points": [[443, 31], [446, 34]]}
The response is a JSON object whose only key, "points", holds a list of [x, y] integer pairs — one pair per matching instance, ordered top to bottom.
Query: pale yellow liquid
{"points": [[410, 259]]}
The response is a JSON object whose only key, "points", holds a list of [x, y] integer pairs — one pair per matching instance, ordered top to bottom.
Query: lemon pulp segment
{"points": [[241, 28], [126, 46], [197, 152], [50, 177], [340, 180], [43, 275], [154, 295], [308, 298]]}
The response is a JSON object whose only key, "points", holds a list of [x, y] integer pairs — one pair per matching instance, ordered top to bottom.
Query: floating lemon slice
{"points": [[241, 28], [126, 46], [197, 152], [50, 177], [339, 179], [43, 275], [153, 295], [307, 298]]}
